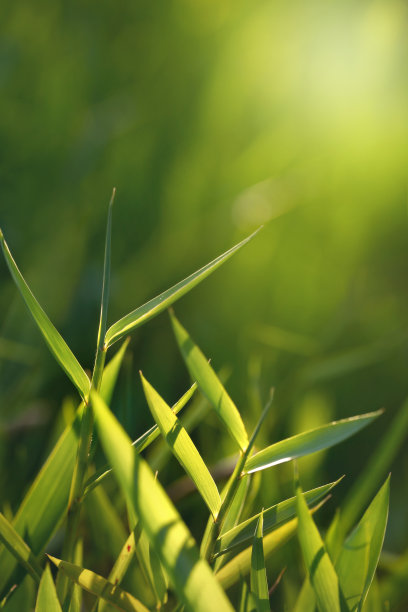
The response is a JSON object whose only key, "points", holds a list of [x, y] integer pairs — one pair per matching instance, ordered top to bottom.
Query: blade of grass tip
{"points": [[155, 306], [52, 337], [309, 442], [182, 447], [172, 541], [19, 549], [259, 583], [47, 600]]}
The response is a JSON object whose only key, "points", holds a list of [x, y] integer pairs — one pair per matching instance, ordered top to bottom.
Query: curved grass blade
{"points": [[155, 306], [52, 337], [210, 385], [308, 442], [183, 447], [173, 543], [19, 549], [259, 583], [97, 585], [47, 600]]}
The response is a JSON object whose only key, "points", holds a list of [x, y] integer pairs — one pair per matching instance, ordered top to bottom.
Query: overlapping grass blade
{"points": [[155, 306], [52, 337], [210, 385], [309, 442], [183, 447], [274, 516], [19, 549], [361, 551], [120, 567], [190, 576], [259, 582], [97, 585], [47, 600], [246, 603], [75, 604]]}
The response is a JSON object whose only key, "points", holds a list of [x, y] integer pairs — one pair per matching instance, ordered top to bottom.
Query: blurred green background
{"points": [[210, 118]]}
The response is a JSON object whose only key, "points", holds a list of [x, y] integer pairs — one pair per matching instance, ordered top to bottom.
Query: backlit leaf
{"points": [[259, 583], [47, 600]]}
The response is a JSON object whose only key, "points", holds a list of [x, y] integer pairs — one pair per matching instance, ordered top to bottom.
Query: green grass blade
{"points": [[106, 277], [155, 306], [52, 337], [111, 373], [210, 385], [309, 442], [183, 447], [274, 516], [19, 549], [361, 551], [319, 566], [190, 576], [259, 582], [97, 585], [76, 598], [47, 600], [247, 603]]}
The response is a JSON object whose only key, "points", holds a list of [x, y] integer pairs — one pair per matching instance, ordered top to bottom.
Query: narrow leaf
{"points": [[106, 277], [155, 306], [52, 337], [111, 372], [209, 383], [309, 442], [183, 447], [19, 549], [259, 583], [47, 600], [247, 603]]}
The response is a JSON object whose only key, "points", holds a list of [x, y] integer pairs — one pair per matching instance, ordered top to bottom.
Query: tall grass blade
{"points": [[106, 278], [155, 306], [52, 337], [111, 373], [210, 385], [309, 442], [183, 447], [173, 543], [19, 549], [259, 582], [47, 600], [246, 603]]}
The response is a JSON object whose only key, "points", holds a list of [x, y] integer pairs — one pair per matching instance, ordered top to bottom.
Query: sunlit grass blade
{"points": [[155, 306], [52, 337], [111, 372], [210, 385], [309, 442], [183, 447], [274, 516], [173, 543], [19, 549], [361, 551], [120, 566], [320, 569], [259, 582], [97, 585], [47, 600], [247, 603], [75, 604]]}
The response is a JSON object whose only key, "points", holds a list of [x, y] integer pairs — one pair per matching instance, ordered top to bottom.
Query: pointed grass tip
{"points": [[112, 196]]}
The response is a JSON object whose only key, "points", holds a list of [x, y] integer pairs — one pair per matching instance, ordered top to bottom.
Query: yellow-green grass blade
{"points": [[106, 277], [155, 306], [52, 337], [111, 372], [210, 385], [309, 442], [183, 447], [274, 516], [19, 549], [361, 551], [120, 567], [320, 569], [190, 576], [259, 582], [99, 586], [47, 600], [247, 603], [75, 604]]}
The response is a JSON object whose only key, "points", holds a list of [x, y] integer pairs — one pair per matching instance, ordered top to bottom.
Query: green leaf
{"points": [[106, 277], [155, 306], [52, 337], [111, 372], [210, 385], [309, 442], [183, 447], [272, 517], [19, 549], [361, 551], [319, 566], [191, 576], [259, 583], [97, 585], [47, 600], [247, 603]]}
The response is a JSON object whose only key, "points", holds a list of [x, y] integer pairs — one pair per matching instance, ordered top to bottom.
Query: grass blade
{"points": [[106, 277], [155, 306], [52, 337], [111, 372], [210, 385], [309, 442], [183, 447], [173, 543], [19, 549], [259, 582], [97, 585], [47, 600]]}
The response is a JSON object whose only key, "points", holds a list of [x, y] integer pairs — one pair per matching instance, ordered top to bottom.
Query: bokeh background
{"points": [[210, 118]]}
